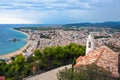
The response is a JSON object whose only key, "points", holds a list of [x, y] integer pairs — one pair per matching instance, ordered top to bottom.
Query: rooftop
{"points": [[103, 57]]}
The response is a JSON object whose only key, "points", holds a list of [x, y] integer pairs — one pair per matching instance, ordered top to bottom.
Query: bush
{"points": [[89, 72]]}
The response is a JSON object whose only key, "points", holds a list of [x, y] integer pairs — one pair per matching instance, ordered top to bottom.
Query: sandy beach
{"points": [[18, 51]]}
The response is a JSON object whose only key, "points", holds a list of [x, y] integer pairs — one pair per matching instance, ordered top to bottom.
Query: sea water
{"points": [[7, 34], [8, 46]]}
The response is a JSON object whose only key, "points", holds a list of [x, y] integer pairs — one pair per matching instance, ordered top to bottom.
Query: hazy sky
{"points": [[58, 11]]}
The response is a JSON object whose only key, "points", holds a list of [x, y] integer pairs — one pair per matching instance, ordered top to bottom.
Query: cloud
{"points": [[47, 4], [58, 11], [7, 20]]}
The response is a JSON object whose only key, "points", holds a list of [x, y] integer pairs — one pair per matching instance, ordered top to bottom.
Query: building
{"points": [[90, 44], [103, 57]]}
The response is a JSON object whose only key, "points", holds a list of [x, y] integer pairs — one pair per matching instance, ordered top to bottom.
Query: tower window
{"points": [[89, 45]]}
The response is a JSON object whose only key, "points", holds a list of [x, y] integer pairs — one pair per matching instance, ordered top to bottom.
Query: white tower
{"points": [[90, 44]]}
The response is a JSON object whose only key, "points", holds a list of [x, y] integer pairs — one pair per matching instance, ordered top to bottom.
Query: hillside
{"points": [[114, 25]]}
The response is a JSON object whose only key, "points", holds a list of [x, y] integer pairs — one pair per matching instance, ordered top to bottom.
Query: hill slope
{"points": [[114, 25]]}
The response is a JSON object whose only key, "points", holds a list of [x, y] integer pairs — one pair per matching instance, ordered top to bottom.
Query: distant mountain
{"points": [[114, 25]]}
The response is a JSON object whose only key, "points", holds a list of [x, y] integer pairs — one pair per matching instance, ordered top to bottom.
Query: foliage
{"points": [[113, 25], [44, 36], [97, 37], [113, 47], [43, 60], [119, 62], [16, 70], [89, 72]]}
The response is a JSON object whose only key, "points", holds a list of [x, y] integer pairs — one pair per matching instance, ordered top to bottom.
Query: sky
{"points": [[58, 11]]}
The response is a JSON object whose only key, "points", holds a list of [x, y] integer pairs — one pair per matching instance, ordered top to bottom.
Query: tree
{"points": [[38, 54], [73, 63], [2, 68]]}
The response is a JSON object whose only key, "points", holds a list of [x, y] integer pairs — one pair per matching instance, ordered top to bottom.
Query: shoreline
{"points": [[20, 32], [19, 51]]}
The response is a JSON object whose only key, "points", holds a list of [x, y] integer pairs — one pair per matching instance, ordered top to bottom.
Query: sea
{"points": [[7, 33]]}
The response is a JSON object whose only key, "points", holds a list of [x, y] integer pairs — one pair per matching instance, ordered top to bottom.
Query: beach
{"points": [[17, 52]]}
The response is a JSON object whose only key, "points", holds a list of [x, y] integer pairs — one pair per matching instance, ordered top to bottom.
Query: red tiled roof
{"points": [[103, 57], [89, 58]]}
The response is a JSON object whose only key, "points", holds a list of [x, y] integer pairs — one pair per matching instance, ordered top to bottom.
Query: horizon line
{"points": [[54, 24]]}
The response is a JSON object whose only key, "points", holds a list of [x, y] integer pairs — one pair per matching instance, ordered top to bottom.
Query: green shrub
{"points": [[89, 72]]}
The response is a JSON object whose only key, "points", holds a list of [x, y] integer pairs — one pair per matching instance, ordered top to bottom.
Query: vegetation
{"points": [[113, 25], [47, 27], [44, 36], [97, 37], [113, 47], [43, 60], [119, 63], [16, 70], [89, 72]]}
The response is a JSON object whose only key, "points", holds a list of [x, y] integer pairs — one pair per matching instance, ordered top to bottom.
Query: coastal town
{"points": [[60, 37], [39, 39], [60, 40], [41, 42]]}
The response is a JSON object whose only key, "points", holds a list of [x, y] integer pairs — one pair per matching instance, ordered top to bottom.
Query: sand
{"points": [[13, 54]]}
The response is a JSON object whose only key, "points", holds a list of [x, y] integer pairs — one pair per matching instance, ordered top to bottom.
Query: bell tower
{"points": [[90, 44]]}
